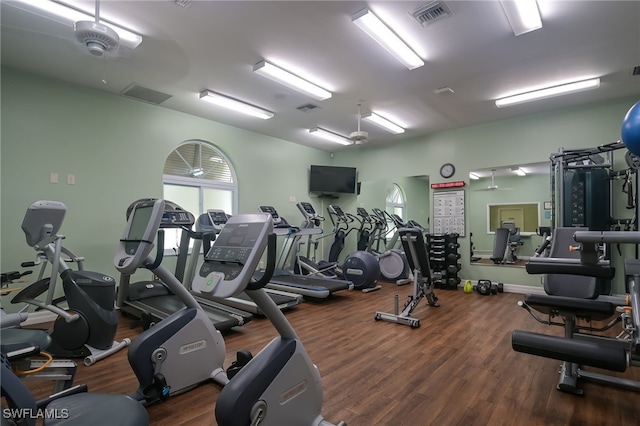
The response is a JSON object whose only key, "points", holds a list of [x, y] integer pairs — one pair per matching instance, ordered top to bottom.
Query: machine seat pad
{"points": [[594, 309], [14, 339], [597, 355], [96, 408]]}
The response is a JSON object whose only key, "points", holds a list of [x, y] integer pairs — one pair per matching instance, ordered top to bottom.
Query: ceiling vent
{"points": [[182, 3], [431, 12], [636, 70], [146, 95], [307, 107]]}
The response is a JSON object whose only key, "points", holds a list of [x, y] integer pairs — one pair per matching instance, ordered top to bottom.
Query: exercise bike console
{"points": [[137, 241], [234, 257]]}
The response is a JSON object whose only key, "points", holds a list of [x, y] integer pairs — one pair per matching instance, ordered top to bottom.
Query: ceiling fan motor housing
{"points": [[98, 37], [359, 137]]}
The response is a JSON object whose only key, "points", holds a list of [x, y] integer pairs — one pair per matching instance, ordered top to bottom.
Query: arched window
{"points": [[198, 176], [395, 201], [394, 205]]}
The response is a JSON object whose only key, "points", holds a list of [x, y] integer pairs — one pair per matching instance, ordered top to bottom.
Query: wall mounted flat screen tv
{"points": [[332, 179]]}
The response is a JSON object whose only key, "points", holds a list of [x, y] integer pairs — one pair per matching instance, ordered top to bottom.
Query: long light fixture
{"points": [[523, 15], [385, 37], [127, 38], [290, 80], [549, 92], [235, 105], [382, 122], [329, 136], [519, 171], [474, 176]]}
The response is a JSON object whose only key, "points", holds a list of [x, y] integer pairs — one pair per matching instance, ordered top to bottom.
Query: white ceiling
{"points": [[214, 45]]}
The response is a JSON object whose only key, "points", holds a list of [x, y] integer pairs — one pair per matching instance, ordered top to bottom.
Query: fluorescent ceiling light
{"points": [[523, 15], [377, 30], [127, 38], [290, 80], [549, 92], [235, 105], [382, 122], [329, 136], [518, 171], [474, 176]]}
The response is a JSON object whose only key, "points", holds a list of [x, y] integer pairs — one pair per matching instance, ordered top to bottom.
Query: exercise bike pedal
{"points": [[242, 358], [160, 383]]}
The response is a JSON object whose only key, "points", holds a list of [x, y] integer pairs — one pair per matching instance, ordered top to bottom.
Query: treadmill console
{"points": [[307, 210], [176, 219], [277, 220], [139, 234], [232, 260]]}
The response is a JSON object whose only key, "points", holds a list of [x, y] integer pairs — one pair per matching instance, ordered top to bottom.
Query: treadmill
{"points": [[209, 225], [313, 287], [151, 301]]}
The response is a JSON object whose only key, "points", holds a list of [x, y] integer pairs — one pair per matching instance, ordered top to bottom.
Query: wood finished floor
{"points": [[458, 368]]}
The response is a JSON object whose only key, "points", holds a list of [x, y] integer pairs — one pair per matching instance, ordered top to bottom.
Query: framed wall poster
{"points": [[448, 212]]}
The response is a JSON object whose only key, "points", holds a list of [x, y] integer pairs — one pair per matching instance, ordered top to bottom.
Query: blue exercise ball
{"points": [[630, 131]]}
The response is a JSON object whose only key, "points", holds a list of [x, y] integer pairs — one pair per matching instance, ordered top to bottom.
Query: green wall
{"points": [[528, 139], [116, 148]]}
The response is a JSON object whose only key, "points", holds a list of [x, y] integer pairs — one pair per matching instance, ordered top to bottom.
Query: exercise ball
{"points": [[630, 131]]}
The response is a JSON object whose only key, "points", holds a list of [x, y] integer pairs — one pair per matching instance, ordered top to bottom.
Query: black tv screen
{"points": [[332, 179]]}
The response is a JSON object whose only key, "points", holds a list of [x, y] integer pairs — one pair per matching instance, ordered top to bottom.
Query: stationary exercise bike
{"points": [[87, 326], [184, 349], [280, 385]]}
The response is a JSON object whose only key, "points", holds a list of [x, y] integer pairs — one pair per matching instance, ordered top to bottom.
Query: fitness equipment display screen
{"points": [[217, 217], [139, 222], [138, 237]]}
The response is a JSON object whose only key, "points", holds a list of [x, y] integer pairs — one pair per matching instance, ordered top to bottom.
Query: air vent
{"points": [[182, 3], [431, 12], [636, 70], [146, 95], [307, 107]]}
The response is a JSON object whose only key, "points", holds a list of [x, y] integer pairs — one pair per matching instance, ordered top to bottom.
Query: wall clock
{"points": [[447, 170]]}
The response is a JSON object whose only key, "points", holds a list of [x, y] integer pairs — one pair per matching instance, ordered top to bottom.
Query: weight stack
{"points": [[437, 258], [452, 265]]}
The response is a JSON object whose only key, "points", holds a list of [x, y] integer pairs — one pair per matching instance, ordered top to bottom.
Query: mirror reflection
{"points": [[516, 198]]}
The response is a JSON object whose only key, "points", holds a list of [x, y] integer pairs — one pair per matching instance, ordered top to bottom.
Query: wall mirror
{"points": [[518, 194]]}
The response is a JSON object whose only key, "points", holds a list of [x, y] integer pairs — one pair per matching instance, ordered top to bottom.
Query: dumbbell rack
{"points": [[444, 260]]}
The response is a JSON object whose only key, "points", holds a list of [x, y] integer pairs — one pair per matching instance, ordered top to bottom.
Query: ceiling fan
{"points": [[53, 19], [97, 37], [359, 137], [493, 186]]}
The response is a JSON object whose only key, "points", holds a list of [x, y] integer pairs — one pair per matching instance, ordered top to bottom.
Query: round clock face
{"points": [[447, 170]]}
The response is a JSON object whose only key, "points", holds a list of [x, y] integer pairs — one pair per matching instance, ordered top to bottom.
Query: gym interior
{"points": [[481, 337]]}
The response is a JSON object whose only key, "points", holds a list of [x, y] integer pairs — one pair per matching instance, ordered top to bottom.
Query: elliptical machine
{"points": [[394, 266], [359, 267], [87, 327], [280, 385]]}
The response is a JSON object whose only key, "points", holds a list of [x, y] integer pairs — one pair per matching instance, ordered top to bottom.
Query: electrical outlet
{"points": [[53, 177], [71, 179], [292, 198]]}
